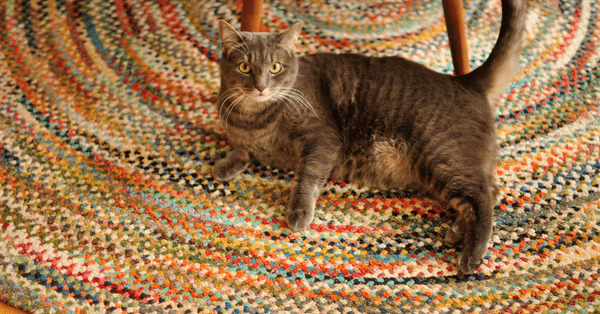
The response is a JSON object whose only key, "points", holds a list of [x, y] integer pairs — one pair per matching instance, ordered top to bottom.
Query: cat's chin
{"points": [[261, 98], [260, 101], [257, 103]]}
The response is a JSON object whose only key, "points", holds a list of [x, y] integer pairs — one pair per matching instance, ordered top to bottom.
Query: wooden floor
{"points": [[6, 309]]}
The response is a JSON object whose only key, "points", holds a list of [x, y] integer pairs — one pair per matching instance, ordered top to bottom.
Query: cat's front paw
{"points": [[233, 164], [222, 172], [301, 209], [299, 219]]}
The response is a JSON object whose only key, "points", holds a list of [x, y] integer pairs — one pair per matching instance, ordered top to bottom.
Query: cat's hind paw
{"points": [[471, 234], [453, 237], [468, 263]]}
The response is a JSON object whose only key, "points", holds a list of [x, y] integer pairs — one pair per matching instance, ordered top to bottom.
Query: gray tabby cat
{"points": [[383, 121]]}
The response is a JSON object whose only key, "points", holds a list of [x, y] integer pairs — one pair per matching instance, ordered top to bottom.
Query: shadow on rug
{"points": [[108, 133]]}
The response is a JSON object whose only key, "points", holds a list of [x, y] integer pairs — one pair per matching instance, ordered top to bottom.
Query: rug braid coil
{"points": [[109, 130]]}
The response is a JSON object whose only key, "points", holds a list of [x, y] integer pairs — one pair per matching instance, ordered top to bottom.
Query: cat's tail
{"points": [[498, 71]]}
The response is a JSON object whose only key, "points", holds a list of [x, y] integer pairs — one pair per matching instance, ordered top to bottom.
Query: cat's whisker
{"points": [[243, 41], [242, 44], [246, 48], [245, 52], [229, 91], [246, 97], [283, 97], [299, 98], [221, 100], [288, 100], [296, 101], [300, 103], [229, 109], [225, 116]]}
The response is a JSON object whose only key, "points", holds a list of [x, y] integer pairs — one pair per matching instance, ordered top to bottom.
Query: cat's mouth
{"points": [[260, 97]]}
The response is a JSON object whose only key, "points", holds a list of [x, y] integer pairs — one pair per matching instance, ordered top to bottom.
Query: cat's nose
{"points": [[261, 88]]}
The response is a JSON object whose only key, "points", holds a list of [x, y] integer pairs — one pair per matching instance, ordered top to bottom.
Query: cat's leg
{"points": [[318, 157], [233, 164], [301, 208], [473, 227], [455, 234]]}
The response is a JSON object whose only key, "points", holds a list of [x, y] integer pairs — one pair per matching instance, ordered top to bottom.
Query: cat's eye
{"points": [[244, 68], [275, 68]]}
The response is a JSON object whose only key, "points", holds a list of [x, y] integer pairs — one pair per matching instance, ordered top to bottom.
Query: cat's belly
{"points": [[384, 165]]}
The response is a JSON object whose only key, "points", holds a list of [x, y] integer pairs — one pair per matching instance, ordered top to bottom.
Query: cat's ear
{"points": [[229, 36], [289, 38]]}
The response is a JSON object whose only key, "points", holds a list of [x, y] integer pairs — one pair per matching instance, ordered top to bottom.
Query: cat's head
{"points": [[259, 67]]}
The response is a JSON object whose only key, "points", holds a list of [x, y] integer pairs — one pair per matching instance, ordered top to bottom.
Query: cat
{"points": [[383, 121]]}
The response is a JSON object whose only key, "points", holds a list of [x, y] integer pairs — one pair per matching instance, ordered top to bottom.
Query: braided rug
{"points": [[108, 134]]}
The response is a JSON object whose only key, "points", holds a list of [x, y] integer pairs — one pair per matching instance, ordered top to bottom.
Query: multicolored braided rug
{"points": [[108, 134]]}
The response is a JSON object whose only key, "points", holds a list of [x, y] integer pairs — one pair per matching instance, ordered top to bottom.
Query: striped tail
{"points": [[498, 71]]}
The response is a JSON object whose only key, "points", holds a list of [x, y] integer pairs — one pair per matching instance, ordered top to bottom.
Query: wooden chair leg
{"points": [[454, 13], [251, 14], [455, 23]]}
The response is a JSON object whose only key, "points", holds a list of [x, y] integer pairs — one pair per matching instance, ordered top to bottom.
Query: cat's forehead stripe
{"points": [[260, 47], [260, 56]]}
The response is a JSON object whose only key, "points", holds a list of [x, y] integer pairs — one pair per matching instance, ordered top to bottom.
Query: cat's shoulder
{"points": [[334, 57], [349, 59], [328, 61], [360, 63]]}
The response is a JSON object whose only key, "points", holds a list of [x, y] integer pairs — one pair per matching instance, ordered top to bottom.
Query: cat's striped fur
{"points": [[386, 122]]}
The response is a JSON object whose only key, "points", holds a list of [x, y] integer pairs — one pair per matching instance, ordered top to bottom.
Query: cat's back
{"points": [[357, 66], [358, 80], [364, 94]]}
